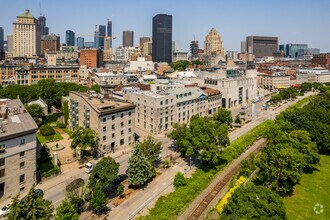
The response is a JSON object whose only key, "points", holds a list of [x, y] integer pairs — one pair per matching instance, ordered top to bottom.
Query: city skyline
{"points": [[233, 20]]}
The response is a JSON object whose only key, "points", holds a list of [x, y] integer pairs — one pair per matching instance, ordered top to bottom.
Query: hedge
{"points": [[65, 109], [52, 117], [46, 130], [51, 172], [170, 206]]}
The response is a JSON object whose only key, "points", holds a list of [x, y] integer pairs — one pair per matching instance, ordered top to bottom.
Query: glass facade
{"points": [[162, 38]]}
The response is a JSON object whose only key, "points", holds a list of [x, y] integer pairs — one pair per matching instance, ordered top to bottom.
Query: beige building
{"points": [[27, 36], [213, 44], [58, 73], [110, 79], [273, 81], [112, 119], [17, 149]]}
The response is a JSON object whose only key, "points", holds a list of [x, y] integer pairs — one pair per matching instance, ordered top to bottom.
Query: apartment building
{"points": [[58, 73], [14, 74], [110, 79], [273, 81], [112, 119], [17, 148]]}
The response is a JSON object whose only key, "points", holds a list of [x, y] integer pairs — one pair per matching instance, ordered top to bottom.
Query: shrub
{"points": [[65, 109], [52, 117], [60, 125], [46, 130], [44, 153], [51, 172], [179, 180], [75, 184]]}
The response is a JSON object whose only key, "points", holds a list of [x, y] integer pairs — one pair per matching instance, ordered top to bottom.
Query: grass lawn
{"points": [[50, 138], [313, 189]]}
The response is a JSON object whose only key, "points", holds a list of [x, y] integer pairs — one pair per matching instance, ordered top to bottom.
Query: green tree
{"points": [[180, 65], [48, 92], [65, 109], [36, 112], [223, 116], [238, 120], [85, 138], [151, 149], [44, 153], [140, 169], [105, 174], [179, 180], [120, 190], [75, 193], [98, 200], [254, 202], [31, 207], [66, 211]]}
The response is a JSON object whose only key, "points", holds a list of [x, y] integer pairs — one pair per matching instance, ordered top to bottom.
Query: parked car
{"points": [[244, 107], [89, 167], [36, 194], [5, 210]]}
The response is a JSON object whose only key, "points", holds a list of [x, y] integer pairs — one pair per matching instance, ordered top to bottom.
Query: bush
{"points": [[65, 109], [52, 117], [60, 125], [46, 130], [44, 154], [51, 172], [179, 180], [75, 184]]}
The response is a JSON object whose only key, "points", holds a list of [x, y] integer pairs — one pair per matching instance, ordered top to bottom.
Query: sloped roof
{"points": [[26, 14]]}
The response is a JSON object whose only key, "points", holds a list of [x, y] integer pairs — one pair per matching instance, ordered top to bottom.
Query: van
{"points": [[89, 167]]}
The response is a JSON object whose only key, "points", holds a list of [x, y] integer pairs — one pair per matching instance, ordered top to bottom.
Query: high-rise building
{"points": [[42, 25], [109, 32], [99, 35], [27, 36], [2, 38], [70, 38], [128, 38], [162, 38], [143, 40], [80, 42], [50, 43], [10, 44], [88, 44], [213, 44], [243, 46], [261, 46], [194, 48], [296, 50], [313, 51], [91, 57]]}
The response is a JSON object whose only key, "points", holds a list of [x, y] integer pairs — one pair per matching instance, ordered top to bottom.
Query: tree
{"points": [[180, 65], [48, 92], [65, 109], [37, 112], [223, 116], [238, 119], [84, 138], [151, 149], [44, 153], [140, 169], [105, 174], [179, 180], [120, 190], [75, 193], [98, 200], [254, 202], [31, 207], [66, 211]]}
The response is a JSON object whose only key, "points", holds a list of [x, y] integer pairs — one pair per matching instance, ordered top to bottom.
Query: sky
{"points": [[293, 21]]}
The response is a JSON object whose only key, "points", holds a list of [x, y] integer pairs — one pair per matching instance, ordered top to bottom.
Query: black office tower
{"points": [[109, 32], [162, 38]]}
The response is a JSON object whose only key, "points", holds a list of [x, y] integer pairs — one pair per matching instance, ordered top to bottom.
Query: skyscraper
{"points": [[42, 25], [109, 32], [99, 35], [27, 36], [1, 38], [70, 38], [128, 38], [162, 38], [143, 40], [80, 42], [213, 44], [243, 46], [261, 46], [194, 49], [296, 50]]}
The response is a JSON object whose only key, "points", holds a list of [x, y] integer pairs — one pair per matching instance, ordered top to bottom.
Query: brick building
{"points": [[91, 58]]}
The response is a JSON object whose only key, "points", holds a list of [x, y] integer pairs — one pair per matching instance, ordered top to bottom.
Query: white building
{"points": [[125, 53], [141, 65], [110, 79]]}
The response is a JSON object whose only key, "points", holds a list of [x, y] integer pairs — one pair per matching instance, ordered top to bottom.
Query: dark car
{"points": [[120, 179], [36, 194]]}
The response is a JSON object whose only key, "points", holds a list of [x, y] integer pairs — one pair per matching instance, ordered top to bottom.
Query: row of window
{"points": [[113, 117], [113, 127], [113, 134], [22, 142]]}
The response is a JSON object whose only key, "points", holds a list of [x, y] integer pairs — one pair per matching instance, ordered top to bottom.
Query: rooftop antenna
{"points": [[40, 7]]}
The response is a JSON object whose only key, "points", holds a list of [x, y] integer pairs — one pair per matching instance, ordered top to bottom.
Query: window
{"points": [[166, 101], [161, 102], [129, 113], [121, 115], [113, 117], [104, 119], [129, 122], [122, 124], [113, 127], [104, 128], [129, 130], [122, 132], [113, 135], [104, 138], [22, 142], [122, 142], [21, 154], [2, 161], [21, 165], [2, 173], [21, 178], [21, 189]]}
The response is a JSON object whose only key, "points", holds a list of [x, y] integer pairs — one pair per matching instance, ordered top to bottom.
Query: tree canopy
{"points": [[36, 112], [84, 138], [151, 148], [254, 202], [66, 211]]}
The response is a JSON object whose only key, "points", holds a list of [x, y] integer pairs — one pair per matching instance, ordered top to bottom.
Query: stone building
{"points": [[17, 149]]}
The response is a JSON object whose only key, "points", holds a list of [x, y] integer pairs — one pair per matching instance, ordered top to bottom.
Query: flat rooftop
{"points": [[18, 122]]}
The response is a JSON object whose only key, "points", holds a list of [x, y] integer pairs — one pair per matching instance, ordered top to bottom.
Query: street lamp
{"points": [[190, 162]]}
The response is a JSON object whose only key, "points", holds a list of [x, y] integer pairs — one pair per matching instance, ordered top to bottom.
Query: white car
{"points": [[244, 107], [89, 167], [5, 210]]}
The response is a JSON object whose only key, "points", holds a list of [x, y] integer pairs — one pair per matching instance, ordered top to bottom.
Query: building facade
{"points": [[44, 30], [109, 32], [99, 35], [27, 36], [2, 38], [69, 38], [128, 38], [162, 38], [143, 40], [80, 42], [50, 43], [213, 44], [261, 46], [194, 48], [296, 50], [91, 58], [322, 59], [272, 82], [112, 119], [18, 151]]}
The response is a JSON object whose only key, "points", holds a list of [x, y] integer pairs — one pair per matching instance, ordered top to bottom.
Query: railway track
{"points": [[199, 209]]}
